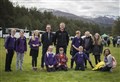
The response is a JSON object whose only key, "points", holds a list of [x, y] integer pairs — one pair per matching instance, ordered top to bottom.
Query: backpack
{"points": [[114, 62]]}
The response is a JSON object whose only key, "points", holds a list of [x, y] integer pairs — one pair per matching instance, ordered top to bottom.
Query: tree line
{"points": [[21, 17]]}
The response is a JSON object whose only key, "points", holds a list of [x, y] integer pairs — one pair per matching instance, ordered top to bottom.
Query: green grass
{"points": [[28, 75]]}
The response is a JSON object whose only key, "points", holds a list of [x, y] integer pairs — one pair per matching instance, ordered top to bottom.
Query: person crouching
{"points": [[79, 59], [50, 60], [61, 60]]}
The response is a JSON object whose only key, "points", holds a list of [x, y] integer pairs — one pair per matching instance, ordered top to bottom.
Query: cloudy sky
{"points": [[77, 7]]}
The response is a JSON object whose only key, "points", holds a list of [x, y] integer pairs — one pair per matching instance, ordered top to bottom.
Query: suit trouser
{"points": [[44, 50], [8, 61]]}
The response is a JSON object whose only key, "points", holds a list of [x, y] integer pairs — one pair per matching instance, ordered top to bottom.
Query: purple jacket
{"points": [[36, 41], [10, 42], [21, 45], [80, 57], [50, 59]]}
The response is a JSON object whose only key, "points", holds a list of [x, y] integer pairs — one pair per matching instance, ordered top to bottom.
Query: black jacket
{"points": [[61, 38], [45, 41], [89, 45], [97, 49]]}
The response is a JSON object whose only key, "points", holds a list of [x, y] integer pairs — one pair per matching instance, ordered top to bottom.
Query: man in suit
{"points": [[47, 39]]}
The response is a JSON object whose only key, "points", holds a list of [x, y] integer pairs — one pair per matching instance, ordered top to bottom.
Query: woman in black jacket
{"points": [[97, 47]]}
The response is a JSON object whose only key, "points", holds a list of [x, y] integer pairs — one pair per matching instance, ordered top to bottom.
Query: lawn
{"points": [[28, 75]]}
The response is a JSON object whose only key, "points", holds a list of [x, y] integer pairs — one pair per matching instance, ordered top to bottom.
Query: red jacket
{"points": [[62, 59]]}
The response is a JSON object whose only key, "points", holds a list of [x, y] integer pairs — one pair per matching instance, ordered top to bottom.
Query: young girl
{"points": [[34, 45], [10, 47], [21, 47], [97, 47], [79, 59], [50, 60], [61, 60], [108, 60]]}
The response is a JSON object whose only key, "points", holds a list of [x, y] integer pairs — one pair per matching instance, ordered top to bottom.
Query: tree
{"points": [[116, 27]]}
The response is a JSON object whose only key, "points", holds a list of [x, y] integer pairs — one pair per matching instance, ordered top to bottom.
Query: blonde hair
{"points": [[62, 23], [33, 34], [99, 40]]}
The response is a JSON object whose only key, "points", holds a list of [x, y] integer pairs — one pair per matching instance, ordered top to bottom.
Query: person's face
{"points": [[62, 26], [48, 28], [13, 32], [36, 33], [21, 34], [87, 34], [78, 35], [96, 36], [50, 49], [80, 49], [61, 51], [106, 52]]}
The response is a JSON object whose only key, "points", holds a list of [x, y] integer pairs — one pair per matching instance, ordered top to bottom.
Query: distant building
{"points": [[1, 32], [26, 32]]}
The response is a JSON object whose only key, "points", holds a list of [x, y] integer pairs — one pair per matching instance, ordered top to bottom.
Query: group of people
{"points": [[80, 50]]}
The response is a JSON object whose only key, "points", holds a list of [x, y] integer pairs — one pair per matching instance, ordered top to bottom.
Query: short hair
{"points": [[62, 23], [13, 30], [21, 31]]}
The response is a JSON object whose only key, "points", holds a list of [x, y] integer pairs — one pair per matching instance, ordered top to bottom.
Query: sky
{"points": [[77, 7]]}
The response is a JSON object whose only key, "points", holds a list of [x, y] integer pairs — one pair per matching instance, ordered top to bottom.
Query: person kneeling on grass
{"points": [[79, 59], [50, 60], [61, 60], [109, 60]]}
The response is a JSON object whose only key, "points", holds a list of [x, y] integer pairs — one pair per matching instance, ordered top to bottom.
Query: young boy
{"points": [[10, 47], [21, 47], [79, 59], [50, 60], [61, 60]]}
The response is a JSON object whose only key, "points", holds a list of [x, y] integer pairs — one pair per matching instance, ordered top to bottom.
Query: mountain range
{"points": [[106, 21]]}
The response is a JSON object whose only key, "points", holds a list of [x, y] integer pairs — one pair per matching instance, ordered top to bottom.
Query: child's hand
{"points": [[37, 44], [33, 45], [6, 51], [59, 64]]}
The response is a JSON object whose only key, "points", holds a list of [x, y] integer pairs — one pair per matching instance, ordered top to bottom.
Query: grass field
{"points": [[28, 75]]}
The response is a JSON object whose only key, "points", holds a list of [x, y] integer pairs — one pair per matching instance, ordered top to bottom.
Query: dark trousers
{"points": [[57, 49], [44, 50], [34, 54], [9, 57], [85, 59], [97, 59], [72, 60], [34, 61], [80, 66], [62, 67], [106, 68], [50, 69]]}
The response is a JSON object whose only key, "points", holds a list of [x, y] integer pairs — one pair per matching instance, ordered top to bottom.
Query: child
{"points": [[76, 42], [34, 45], [10, 47], [21, 47], [97, 48], [79, 59], [50, 60], [61, 60], [108, 61]]}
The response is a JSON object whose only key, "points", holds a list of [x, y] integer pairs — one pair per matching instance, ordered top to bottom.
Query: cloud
{"points": [[78, 7]]}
